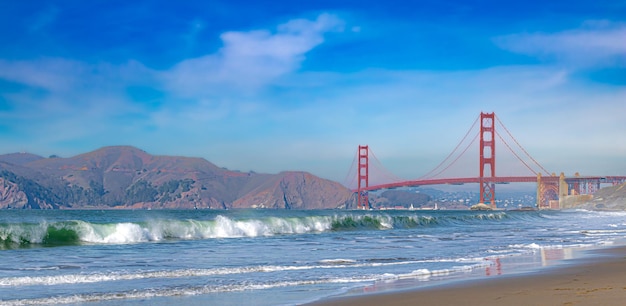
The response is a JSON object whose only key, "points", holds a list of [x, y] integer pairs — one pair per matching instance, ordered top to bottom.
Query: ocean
{"points": [[274, 257]]}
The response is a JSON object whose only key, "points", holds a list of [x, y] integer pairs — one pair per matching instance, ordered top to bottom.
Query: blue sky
{"points": [[298, 85]]}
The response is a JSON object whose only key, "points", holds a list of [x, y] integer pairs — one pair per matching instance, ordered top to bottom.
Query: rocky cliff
{"points": [[126, 177], [11, 196], [609, 198]]}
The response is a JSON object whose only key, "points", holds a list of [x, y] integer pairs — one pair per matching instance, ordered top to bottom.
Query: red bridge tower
{"points": [[487, 158], [363, 196]]}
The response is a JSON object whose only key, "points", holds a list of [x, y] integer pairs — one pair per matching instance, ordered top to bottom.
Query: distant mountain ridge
{"points": [[127, 177]]}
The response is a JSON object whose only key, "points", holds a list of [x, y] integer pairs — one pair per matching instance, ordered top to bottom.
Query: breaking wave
{"points": [[75, 232], [80, 232]]}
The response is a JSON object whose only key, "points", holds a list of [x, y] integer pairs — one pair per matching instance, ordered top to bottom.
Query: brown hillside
{"points": [[19, 158], [127, 177], [293, 190], [609, 198]]}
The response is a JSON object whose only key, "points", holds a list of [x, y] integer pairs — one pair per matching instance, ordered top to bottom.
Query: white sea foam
{"points": [[221, 227], [18, 233], [532, 246], [338, 261], [182, 273], [420, 274], [95, 278], [184, 291]]}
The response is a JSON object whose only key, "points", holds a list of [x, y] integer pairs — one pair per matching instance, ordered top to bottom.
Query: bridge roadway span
{"points": [[495, 180]]}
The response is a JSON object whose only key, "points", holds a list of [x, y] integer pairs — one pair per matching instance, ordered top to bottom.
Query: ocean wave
{"points": [[74, 232], [80, 232], [326, 264], [419, 274], [53, 280], [181, 291]]}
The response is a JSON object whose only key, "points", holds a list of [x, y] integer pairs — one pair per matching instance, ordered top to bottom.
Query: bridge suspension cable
{"points": [[522, 148], [458, 157], [520, 159], [430, 173], [388, 175], [350, 183]]}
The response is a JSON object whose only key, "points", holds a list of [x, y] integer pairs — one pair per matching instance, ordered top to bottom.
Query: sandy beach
{"points": [[598, 279]]}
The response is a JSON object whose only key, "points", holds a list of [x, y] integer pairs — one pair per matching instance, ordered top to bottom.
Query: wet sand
{"points": [[599, 279]]}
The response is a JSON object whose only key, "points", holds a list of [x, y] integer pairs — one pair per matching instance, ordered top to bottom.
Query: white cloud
{"points": [[597, 43], [251, 59], [71, 100]]}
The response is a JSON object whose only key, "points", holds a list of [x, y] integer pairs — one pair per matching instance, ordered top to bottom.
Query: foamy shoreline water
{"points": [[541, 261], [592, 276]]}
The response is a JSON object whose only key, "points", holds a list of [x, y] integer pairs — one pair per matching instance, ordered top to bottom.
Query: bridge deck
{"points": [[496, 180]]}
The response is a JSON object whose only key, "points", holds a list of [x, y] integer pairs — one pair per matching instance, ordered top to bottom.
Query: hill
{"points": [[127, 177], [401, 198], [608, 198]]}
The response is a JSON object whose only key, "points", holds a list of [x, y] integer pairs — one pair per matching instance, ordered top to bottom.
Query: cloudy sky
{"points": [[298, 85]]}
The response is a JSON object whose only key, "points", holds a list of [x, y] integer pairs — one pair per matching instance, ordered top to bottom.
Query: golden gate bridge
{"points": [[550, 187]]}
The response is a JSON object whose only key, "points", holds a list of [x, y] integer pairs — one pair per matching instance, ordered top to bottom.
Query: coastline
{"points": [[594, 279]]}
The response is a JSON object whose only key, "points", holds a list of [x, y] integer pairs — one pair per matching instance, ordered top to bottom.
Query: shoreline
{"points": [[597, 278]]}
